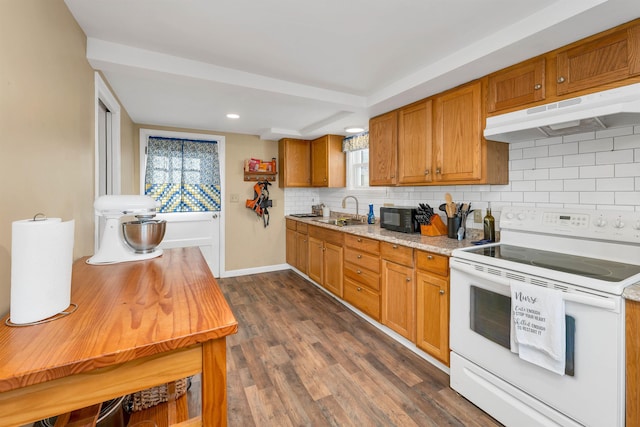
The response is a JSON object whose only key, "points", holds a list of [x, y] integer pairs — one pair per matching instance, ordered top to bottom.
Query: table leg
{"points": [[214, 383]]}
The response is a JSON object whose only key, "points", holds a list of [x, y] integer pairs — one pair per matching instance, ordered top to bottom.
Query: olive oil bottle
{"points": [[489, 225]]}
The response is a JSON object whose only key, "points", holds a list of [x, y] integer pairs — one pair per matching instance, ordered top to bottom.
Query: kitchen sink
{"points": [[340, 222]]}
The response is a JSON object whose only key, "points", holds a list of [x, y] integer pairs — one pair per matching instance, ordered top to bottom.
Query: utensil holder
{"points": [[453, 223], [436, 228]]}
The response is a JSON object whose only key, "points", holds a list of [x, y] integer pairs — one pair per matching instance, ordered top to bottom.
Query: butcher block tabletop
{"points": [[125, 312]]}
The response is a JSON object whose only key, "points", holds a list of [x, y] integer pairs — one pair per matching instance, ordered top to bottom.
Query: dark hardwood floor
{"points": [[300, 358]]}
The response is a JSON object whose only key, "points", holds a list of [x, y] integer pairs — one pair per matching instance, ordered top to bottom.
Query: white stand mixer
{"points": [[113, 249]]}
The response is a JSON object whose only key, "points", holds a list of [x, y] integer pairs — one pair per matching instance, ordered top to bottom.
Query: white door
{"points": [[185, 229]]}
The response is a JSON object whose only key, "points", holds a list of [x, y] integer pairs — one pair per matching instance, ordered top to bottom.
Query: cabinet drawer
{"points": [[291, 224], [302, 227], [321, 233], [362, 243], [399, 254], [362, 259], [435, 263], [362, 275], [362, 298]]}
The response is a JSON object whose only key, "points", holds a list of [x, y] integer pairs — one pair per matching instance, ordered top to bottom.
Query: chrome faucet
{"points": [[344, 205]]}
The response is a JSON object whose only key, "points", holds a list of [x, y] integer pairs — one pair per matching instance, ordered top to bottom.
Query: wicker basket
{"points": [[153, 396]]}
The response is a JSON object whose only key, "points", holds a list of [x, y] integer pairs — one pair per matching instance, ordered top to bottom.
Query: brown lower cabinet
{"points": [[297, 249], [325, 258], [362, 274], [398, 289], [633, 362]]}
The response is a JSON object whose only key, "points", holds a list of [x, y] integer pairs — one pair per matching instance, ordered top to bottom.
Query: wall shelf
{"points": [[260, 176]]}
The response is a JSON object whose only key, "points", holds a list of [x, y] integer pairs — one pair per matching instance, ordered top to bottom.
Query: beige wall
{"points": [[47, 125], [248, 243]]}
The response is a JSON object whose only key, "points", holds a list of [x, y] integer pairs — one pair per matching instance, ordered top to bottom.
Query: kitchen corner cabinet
{"points": [[599, 61], [516, 86], [383, 143], [415, 147], [462, 155], [294, 158], [328, 162], [297, 245], [325, 262], [362, 274], [398, 289], [432, 304]]}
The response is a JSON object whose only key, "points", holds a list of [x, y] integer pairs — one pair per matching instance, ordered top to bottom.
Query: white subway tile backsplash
{"points": [[595, 145], [563, 149], [622, 156], [580, 159], [594, 170], [602, 171], [580, 184], [615, 184]]}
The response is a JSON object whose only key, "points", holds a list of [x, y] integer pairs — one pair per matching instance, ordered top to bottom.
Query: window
{"points": [[358, 168], [183, 174]]}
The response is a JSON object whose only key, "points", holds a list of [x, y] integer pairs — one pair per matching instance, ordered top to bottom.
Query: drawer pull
{"points": [[561, 79], [537, 87], [359, 240], [395, 246], [359, 256], [429, 257], [358, 271], [408, 279], [358, 289], [441, 292]]}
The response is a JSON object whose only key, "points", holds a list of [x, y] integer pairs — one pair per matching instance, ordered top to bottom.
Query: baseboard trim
{"points": [[255, 270]]}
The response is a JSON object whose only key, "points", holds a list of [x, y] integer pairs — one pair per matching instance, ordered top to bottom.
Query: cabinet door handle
{"points": [[561, 79], [537, 87], [438, 171], [426, 172], [359, 240], [395, 246], [359, 256], [429, 257], [359, 271], [408, 279], [358, 289], [441, 292]]}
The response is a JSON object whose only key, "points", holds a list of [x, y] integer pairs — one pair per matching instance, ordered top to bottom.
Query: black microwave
{"points": [[399, 218]]}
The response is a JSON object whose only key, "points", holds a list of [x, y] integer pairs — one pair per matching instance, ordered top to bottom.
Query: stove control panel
{"points": [[621, 226]]}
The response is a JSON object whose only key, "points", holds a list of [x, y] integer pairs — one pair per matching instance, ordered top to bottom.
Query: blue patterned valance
{"points": [[356, 142], [183, 175]]}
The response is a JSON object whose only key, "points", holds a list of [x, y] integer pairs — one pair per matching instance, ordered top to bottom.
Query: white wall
{"points": [[593, 170]]}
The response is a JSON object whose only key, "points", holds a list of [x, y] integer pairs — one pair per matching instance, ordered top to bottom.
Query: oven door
{"points": [[484, 369]]}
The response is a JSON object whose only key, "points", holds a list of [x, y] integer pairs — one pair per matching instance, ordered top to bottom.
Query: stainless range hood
{"points": [[602, 110]]}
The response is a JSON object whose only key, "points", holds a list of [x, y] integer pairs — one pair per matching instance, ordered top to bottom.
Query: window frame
{"points": [[351, 172]]}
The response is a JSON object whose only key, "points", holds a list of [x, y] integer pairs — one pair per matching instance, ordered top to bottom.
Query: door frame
{"points": [[103, 94], [145, 133]]}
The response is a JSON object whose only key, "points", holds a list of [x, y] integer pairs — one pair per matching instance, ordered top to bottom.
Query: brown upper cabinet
{"points": [[606, 59], [518, 85], [437, 141], [383, 143], [415, 143], [294, 158], [328, 162], [317, 163]]}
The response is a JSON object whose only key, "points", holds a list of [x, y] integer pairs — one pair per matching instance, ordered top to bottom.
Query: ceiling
{"points": [[302, 69]]}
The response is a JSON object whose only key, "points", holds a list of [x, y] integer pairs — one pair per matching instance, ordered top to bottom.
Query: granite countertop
{"points": [[437, 244], [632, 292]]}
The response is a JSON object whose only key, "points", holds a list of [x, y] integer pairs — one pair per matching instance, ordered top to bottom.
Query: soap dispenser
{"points": [[371, 218]]}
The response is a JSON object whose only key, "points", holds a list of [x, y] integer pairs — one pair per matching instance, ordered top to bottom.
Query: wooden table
{"points": [[138, 325]]}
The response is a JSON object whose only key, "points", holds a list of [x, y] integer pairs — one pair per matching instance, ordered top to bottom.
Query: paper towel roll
{"points": [[41, 261]]}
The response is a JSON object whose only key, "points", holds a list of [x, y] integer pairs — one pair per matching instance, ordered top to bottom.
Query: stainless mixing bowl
{"points": [[144, 236]]}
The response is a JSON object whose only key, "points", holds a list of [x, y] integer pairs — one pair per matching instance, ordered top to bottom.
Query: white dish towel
{"points": [[538, 329]]}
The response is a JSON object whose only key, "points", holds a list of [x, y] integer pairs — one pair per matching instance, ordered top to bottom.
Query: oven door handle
{"points": [[591, 300]]}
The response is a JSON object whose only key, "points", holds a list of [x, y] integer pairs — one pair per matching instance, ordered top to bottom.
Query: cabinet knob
{"points": [[561, 79], [537, 87], [438, 171], [426, 172], [393, 176], [325, 180], [359, 240], [395, 246], [359, 256], [429, 257], [359, 271], [408, 279], [358, 289], [441, 292]]}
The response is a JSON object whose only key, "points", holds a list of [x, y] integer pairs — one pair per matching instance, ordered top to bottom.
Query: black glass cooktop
{"points": [[594, 268]]}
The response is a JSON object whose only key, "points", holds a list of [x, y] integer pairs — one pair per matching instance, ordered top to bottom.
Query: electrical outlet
{"points": [[235, 198], [477, 216]]}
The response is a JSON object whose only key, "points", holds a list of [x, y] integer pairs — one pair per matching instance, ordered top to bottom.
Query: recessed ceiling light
{"points": [[233, 116], [353, 129]]}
